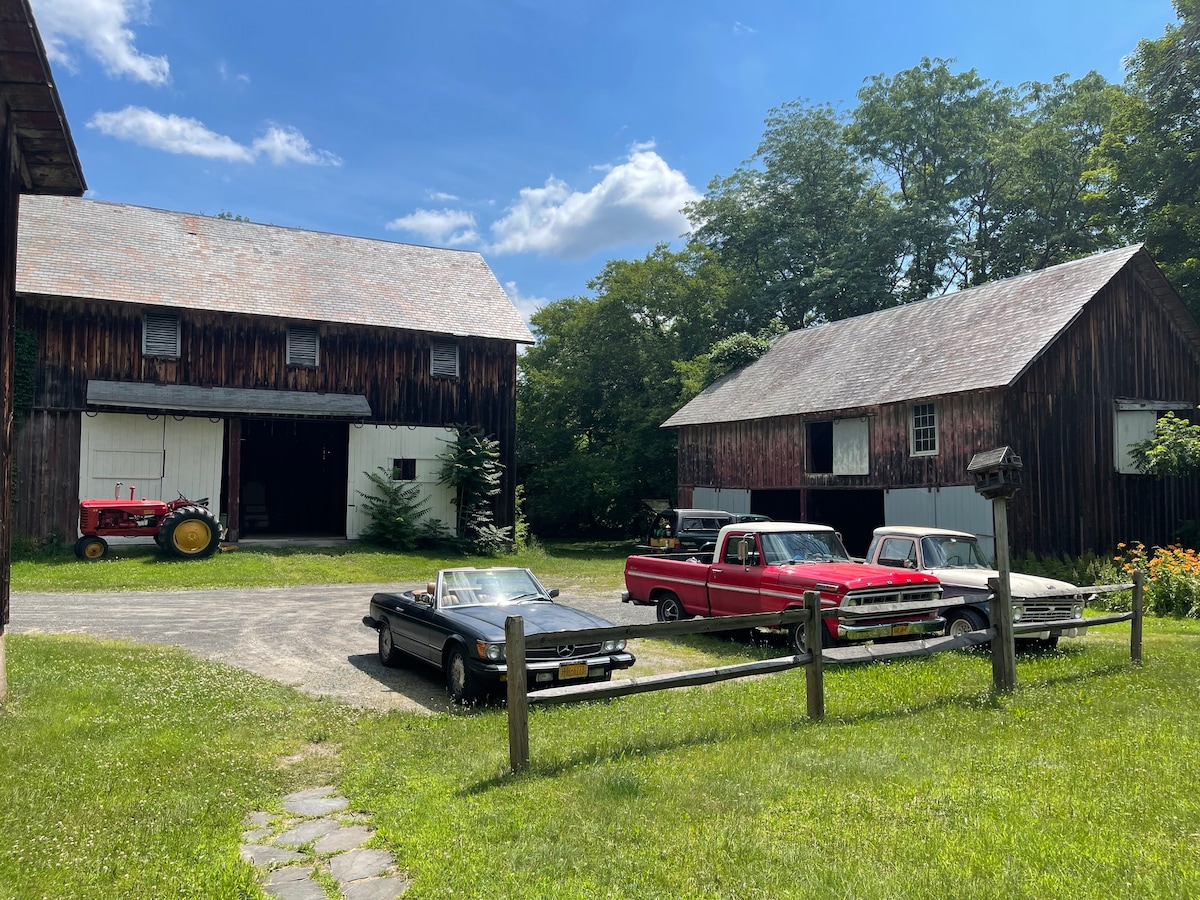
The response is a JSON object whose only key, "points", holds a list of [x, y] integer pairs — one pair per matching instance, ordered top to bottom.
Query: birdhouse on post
{"points": [[997, 472], [997, 478]]}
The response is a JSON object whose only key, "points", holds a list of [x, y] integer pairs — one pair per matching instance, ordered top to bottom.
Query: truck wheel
{"points": [[190, 532], [90, 548], [670, 609], [961, 620], [796, 637], [1049, 643], [388, 654]]}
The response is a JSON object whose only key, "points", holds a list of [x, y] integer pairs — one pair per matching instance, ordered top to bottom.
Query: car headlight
{"points": [[1077, 610], [1018, 611], [612, 646], [492, 652]]}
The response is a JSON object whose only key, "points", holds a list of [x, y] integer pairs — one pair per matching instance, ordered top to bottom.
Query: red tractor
{"points": [[184, 528]]}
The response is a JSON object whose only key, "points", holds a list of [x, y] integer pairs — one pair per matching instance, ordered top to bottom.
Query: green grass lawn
{"points": [[594, 566], [125, 772]]}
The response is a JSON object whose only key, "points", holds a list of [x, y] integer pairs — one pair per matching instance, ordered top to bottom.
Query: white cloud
{"points": [[101, 27], [740, 29], [226, 75], [175, 134], [282, 143], [442, 197], [638, 201], [445, 227], [525, 304]]}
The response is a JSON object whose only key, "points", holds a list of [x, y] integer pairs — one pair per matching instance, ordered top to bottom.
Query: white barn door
{"points": [[373, 447]]}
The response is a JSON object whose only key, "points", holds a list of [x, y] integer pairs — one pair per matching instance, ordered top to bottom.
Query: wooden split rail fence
{"points": [[813, 658]]}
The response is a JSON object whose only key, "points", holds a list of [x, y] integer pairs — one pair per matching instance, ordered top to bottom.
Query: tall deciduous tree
{"points": [[1151, 150]]}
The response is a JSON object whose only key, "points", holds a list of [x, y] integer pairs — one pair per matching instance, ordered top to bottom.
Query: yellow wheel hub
{"points": [[191, 536], [93, 550]]}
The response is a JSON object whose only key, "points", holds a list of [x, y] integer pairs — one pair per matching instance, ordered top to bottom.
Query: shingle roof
{"points": [[132, 254], [976, 339]]}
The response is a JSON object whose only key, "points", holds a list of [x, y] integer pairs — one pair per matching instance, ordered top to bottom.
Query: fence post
{"points": [[1135, 627], [1004, 648], [814, 672], [518, 693]]}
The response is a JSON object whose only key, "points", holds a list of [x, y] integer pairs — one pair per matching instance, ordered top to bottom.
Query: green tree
{"points": [[1149, 156], [808, 232], [1174, 448], [471, 467]]}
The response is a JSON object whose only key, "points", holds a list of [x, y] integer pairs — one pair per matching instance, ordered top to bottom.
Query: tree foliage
{"points": [[1174, 449], [471, 467], [397, 512]]}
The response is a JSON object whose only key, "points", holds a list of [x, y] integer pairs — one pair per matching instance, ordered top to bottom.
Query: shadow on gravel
{"points": [[419, 685]]}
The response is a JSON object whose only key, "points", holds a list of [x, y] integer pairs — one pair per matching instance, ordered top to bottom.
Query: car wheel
{"points": [[670, 609], [961, 621], [796, 637], [388, 654], [460, 681]]}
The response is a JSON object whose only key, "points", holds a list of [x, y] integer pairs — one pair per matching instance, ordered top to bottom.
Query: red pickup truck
{"points": [[763, 567]]}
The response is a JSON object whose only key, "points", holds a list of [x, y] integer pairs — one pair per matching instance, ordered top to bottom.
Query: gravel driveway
{"points": [[309, 637]]}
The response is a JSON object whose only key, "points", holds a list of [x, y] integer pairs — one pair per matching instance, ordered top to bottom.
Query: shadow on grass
{"points": [[964, 700]]}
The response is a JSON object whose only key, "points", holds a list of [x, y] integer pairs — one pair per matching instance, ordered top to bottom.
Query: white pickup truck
{"points": [[963, 568]]}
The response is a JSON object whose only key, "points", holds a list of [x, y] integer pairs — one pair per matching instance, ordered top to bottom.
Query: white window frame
{"points": [[160, 323], [304, 346], [443, 358], [913, 428]]}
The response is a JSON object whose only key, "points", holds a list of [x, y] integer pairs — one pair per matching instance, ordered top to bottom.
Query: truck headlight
{"points": [[1077, 610], [1018, 611], [612, 646], [492, 652]]}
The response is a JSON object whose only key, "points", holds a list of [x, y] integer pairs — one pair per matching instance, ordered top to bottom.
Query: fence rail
{"points": [[812, 659]]}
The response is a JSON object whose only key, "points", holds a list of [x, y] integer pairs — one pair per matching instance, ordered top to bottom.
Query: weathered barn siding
{"points": [[10, 187], [79, 340], [1059, 416], [764, 454], [47, 476]]}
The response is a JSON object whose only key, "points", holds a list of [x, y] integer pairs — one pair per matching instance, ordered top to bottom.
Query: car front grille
{"points": [[922, 594], [1046, 612], [562, 652]]}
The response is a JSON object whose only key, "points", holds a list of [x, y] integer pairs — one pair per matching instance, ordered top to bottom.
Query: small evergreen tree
{"points": [[471, 467], [397, 512]]}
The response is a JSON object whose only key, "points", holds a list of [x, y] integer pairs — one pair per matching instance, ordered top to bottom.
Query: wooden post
{"points": [[1135, 626], [1004, 648], [814, 672], [518, 693]]}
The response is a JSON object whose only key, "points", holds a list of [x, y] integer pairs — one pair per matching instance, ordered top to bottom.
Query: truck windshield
{"points": [[782, 547], [949, 552]]}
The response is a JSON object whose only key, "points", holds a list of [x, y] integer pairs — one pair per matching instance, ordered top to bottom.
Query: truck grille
{"points": [[921, 594], [1046, 612], [576, 650]]}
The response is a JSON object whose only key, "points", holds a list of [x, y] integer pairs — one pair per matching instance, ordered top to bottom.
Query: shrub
{"points": [[471, 467], [397, 512], [1172, 577]]}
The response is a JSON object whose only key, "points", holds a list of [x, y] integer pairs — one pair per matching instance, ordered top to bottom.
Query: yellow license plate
{"points": [[899, 630], [573, 670]]}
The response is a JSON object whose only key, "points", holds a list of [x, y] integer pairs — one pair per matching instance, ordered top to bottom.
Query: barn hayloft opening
{"points": [[293, 478]]}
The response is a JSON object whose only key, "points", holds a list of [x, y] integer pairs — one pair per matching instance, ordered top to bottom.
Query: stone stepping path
{"points": [[314, 842]]}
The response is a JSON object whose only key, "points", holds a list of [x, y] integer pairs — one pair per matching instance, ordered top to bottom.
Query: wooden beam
{"points": [[664, 629], [814, 672], [518, 694]]}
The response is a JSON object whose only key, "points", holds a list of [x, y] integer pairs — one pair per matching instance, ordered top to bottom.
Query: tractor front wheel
{"points": [[190, 532], [90, 548]]}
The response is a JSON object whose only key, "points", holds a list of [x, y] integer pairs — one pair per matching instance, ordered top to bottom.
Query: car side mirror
{"points": [[552, 593]]}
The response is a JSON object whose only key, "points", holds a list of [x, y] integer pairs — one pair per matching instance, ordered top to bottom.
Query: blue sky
{"points": [[550, 135]]}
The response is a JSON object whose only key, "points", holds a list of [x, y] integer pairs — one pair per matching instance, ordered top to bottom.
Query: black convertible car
{"points": [[457, 625]]}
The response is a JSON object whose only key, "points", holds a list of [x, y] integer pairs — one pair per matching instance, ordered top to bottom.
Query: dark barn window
{"points": [[820, 447]]}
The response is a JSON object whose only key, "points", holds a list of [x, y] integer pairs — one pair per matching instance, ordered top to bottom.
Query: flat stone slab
{"points": [[311, 793], [316, 806], [259, 818], [306, 832], [256, 836], [343, 839], [262, 855], [356, 864], [304, 889], [375, 889]]}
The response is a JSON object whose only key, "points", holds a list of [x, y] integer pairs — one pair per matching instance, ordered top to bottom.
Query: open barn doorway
{"points": [[293, 478], [855, 513]]}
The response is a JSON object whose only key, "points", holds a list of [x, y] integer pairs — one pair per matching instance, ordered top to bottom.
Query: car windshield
{"points": [[780, 547], [953, 552], [477, 587]]}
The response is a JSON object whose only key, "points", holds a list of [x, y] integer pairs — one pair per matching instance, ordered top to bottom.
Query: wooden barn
{"points": [[37, 156], [268, 369], [873, 420]]}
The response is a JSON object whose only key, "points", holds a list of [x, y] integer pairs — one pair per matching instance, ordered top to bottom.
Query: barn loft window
{"points": [[160, 334], [303, 345], [443, 357], [1134, 421], [923, 429], [820, 447], [404, 470]]}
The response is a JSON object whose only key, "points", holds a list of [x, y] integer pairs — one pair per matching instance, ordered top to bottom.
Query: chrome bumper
{"points": [[891, 629]]}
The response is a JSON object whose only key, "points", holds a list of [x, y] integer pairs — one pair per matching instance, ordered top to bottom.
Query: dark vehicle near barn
{"points": [[686, 530], [457, 625]]}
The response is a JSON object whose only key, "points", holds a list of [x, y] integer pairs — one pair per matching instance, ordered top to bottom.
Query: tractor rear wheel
{"points": [[190, 532], [91, 547]]}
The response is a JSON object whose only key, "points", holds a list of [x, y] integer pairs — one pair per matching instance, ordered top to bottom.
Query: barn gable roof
{"points": [[132, 254], [976, 339]]}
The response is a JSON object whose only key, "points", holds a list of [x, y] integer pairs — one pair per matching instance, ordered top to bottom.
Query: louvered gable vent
{"points": [[160, 335], [303, 345], [443, 357]]}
